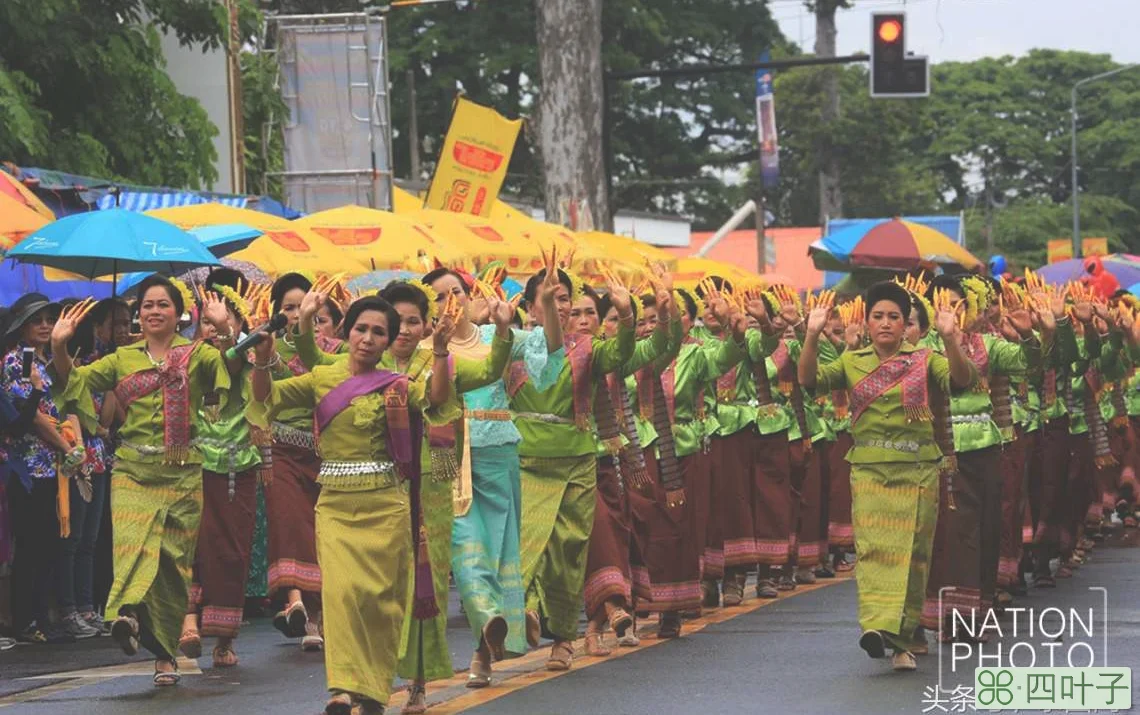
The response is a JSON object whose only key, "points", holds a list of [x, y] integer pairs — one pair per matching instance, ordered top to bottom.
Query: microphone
{"points": [[275, 323]]}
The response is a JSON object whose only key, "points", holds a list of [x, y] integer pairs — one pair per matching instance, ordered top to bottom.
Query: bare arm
{"points": [[808, 365]]}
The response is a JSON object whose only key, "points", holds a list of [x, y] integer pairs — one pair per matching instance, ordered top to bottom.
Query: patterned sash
{"points": [[328, 345], [975, 348], [296, 366], [909, 369], [173, 378], [786, 378], [726, 386], [1049, 388], [839, 402], [1119, 406], [1003, 410], [606, 418], [1098, 430], [405, 435], [944, 438], [632, 456], [668, 467]]}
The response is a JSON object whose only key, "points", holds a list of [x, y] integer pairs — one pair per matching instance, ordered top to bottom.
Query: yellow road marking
{"points": [[530, 669], [75, 679]]}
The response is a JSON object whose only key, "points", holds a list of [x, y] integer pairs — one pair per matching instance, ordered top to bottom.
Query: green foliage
{"points": [[83, 89]]}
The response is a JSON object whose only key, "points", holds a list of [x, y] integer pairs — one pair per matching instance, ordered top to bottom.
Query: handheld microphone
{"points": [[275, 323]]}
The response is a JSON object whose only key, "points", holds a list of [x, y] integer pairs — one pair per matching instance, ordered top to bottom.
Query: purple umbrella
{"points": [[1125, 267]]}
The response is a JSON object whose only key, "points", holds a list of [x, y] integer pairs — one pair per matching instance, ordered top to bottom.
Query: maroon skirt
{"points": [[1012, 471], [807, 483], [1048, 492], [732, 498], [772, 498], [290, 504], [839, 530], [663, 540], [225, 541], [608, 573]]}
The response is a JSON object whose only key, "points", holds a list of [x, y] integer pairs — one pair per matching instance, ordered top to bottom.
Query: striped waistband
{"points": [[545, 417], [985, 417], [294, 437]]}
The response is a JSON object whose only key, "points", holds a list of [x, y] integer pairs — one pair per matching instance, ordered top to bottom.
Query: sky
{"points": [[962, 30]]}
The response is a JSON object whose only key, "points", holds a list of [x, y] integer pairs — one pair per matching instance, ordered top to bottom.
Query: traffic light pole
{"points": [[1077, 252]]}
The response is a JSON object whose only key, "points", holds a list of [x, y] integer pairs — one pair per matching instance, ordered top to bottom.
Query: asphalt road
{"points": [[795, 655]]}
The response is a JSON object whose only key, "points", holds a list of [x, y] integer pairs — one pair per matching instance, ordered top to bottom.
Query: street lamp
{"points": [[1076, 188]]}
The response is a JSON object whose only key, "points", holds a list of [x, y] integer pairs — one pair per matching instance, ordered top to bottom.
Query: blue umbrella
{"points": [[221, 240], [100, 243], [16, 279]]}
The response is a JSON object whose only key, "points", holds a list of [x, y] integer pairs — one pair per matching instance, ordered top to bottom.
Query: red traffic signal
{"points": [[890, 31], [893, 72]]}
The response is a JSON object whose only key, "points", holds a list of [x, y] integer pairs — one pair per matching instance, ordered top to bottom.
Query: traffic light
{"points": [[893, 72]]}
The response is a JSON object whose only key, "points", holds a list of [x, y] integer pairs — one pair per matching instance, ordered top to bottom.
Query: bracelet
{"points": [[228, 337], [444, 355], [274, 362]]}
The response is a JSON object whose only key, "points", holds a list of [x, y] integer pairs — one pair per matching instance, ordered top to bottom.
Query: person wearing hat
{"points": [[40, 454], [895, 459]]}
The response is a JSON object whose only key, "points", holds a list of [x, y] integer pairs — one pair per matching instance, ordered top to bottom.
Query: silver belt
{"points": [[545, 417], [971, 419], [294, 437], [899, 446], [149, 451], [334, 468]]}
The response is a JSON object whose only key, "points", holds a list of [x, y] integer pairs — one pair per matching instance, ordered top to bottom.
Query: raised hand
{"points": [[550, 282], [619, 294], [312, 303], [789, 306], [214, 311], [502, 313], [817, 320], [1020, 320], [68, 322], [946, 323], [445, 325], [1008, 330], [853, 335]]}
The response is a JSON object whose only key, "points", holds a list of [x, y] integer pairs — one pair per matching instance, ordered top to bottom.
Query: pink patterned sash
{"points": [[907, 369], [173, 378]]}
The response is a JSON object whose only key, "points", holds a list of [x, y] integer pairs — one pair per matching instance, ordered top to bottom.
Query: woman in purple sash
{"points": [[894, 460], [369, 526]]}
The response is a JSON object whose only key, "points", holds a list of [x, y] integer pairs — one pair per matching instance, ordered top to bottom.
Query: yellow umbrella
{"points": [[15, 189], [405, 202], [17, 221], [383, 240], [483, 240], [284, 245], [627, 249], [587, 255], [691, 271]]}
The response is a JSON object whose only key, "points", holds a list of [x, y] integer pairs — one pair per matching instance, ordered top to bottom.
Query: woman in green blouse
{"points": [[894, 461], [156, 484], [369, 525]]}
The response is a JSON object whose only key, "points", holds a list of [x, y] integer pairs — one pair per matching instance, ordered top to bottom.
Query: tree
{"points": [[83, 88], [830, 195]]}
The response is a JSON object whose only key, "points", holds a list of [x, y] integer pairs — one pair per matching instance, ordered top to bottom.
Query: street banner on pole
{"points": [[766, 126], [473, 161], [1061, 249]]}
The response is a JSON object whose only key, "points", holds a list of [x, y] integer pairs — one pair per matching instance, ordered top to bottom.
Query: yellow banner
{"points": [[473, 161], [1061, 249]]}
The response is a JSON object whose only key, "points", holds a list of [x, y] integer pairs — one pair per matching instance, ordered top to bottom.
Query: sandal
{"points": [[291, 621], [620, 621], [669, 625], [125, 633], [495, 636], [314, 641], [190, 644], [594, 646], [561, 655], [224, 656], [480, 674], [167, 678], [416, 703], [339, 704]]}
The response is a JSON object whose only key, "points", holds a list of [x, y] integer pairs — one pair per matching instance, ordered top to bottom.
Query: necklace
{"points": [[468, 342], [153, 362]]}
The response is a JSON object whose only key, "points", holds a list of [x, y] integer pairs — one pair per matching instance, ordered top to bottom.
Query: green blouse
{"points": [[546, 420], [223, 430], [142, 431], [359, 433], [883, 433]]}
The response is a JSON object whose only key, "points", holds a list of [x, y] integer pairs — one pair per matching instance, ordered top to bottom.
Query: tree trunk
{"points": [[570, 112], [830, 194]]}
